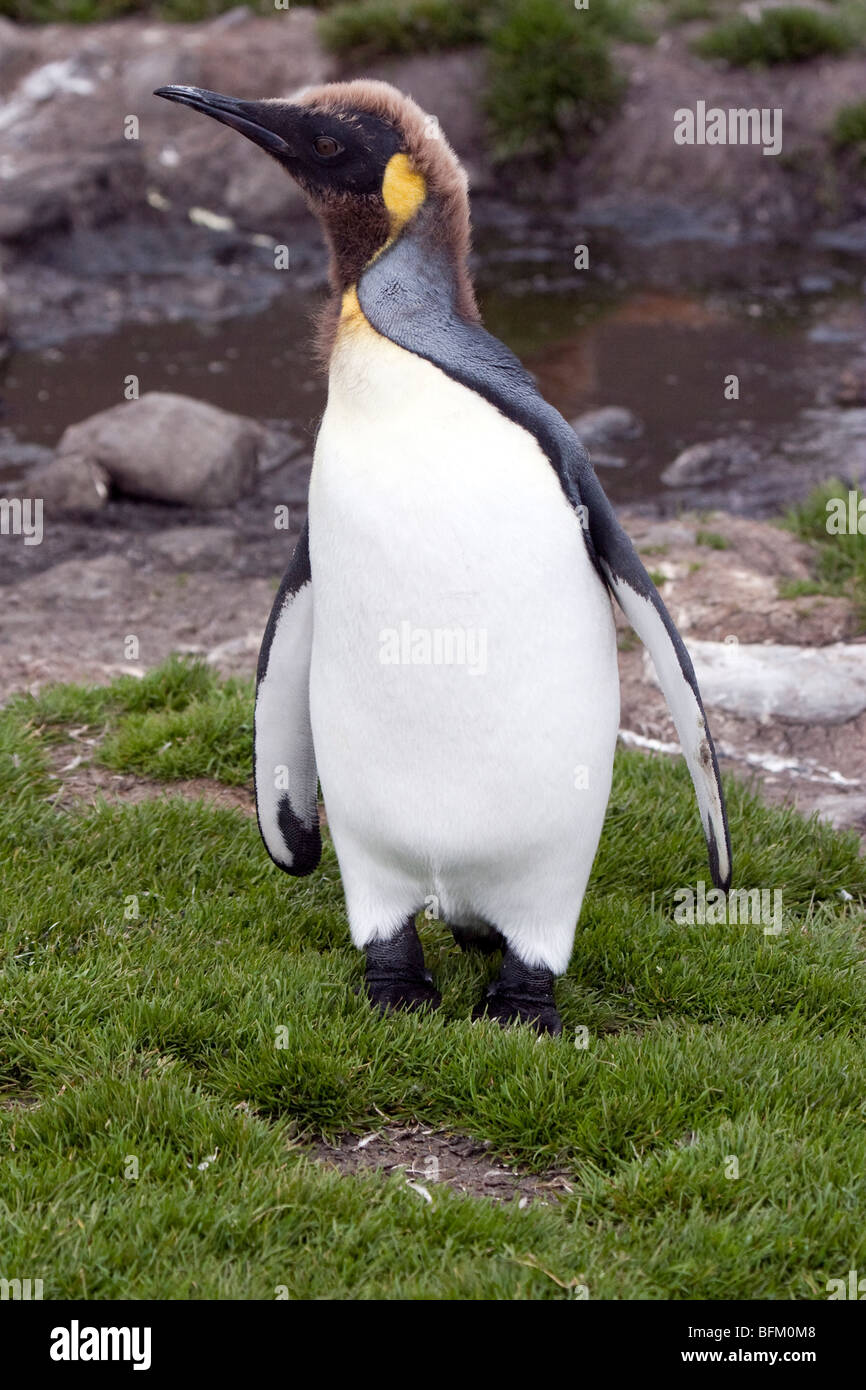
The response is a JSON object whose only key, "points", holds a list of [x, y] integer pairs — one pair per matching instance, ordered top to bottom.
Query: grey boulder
{"points": [[606, 425], [169, 448], [710, 463], [69, 484], [195, 547], [808, 685]]}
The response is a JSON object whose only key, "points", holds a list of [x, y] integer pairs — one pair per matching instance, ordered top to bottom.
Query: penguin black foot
{"points": [[486, 944], [395, 977], [521, 994]]}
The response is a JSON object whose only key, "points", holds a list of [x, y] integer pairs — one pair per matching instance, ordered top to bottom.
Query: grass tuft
{"points": [[377, 27], [791, 34], [550, 75], [551, 78], [848, 131], [714, 540], [839, 555], [179, 721]]}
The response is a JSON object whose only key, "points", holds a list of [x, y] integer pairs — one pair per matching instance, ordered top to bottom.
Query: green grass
{"points": [[376, 27], [788, 35], [550, 75], [551, 78], [848, 131], [713, 539], [839, 559], [180, 721], [150, 953]]}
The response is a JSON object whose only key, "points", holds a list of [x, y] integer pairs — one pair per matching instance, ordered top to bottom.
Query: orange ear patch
{"points": [[403, 190]]}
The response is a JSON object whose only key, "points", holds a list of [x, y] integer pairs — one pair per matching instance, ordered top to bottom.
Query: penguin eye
{"points": [[327, 146]]}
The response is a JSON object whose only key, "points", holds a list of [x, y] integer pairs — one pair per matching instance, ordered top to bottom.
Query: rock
{"points": [[230, 19], [18, 52], [66, 89], [55, 194], [257, 198], [31, 207], [815, 284], [4, 321], [851, 389], [607, 425], [830, 442], [280, 444], [170, 449], [16, 455], [599, 460], [710, 462], [69, 484], [664, 534], [194, 547], [83, 581], [236, 655], [824, 685], [842, 810]]}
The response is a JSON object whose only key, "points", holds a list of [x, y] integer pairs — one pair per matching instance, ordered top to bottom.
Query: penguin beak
{"points": [[251, 118]]}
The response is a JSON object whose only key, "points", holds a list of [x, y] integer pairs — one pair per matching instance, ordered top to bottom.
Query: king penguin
{"points": [[441, 655]]}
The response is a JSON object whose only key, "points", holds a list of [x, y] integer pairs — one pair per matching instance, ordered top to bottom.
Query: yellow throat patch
{"points": [[403, 190], [351, 314]]}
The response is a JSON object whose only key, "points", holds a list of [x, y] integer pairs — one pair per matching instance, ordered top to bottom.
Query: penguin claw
{"points": [[395, 977], [388, 994], [521, 994], [544, 1018]]}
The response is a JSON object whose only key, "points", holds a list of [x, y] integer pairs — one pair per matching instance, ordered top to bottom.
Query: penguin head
{"points": [[368, 160]]}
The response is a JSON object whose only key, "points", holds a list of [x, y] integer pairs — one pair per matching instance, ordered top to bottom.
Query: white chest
{"points": [[421, 486], [430, 514], [463, 671]]}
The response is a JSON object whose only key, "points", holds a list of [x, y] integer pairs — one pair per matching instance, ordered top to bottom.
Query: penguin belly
{"points": [[464, 693]]}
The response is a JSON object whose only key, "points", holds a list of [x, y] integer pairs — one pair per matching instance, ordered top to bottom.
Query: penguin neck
{"points": [[356, 235], [431, 250], [427, 257]]}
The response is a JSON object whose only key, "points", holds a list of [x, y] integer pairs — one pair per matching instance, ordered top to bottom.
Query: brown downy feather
{"points": [[354, 240]]}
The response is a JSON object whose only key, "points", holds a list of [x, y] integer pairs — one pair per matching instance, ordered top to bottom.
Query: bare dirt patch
{"points": [[69, 623], [83, 783], [24, 1101], [429, 1158]]}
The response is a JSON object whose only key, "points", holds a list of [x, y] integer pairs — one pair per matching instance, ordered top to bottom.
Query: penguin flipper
{"points": [[639, 599], [285, 760]]}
